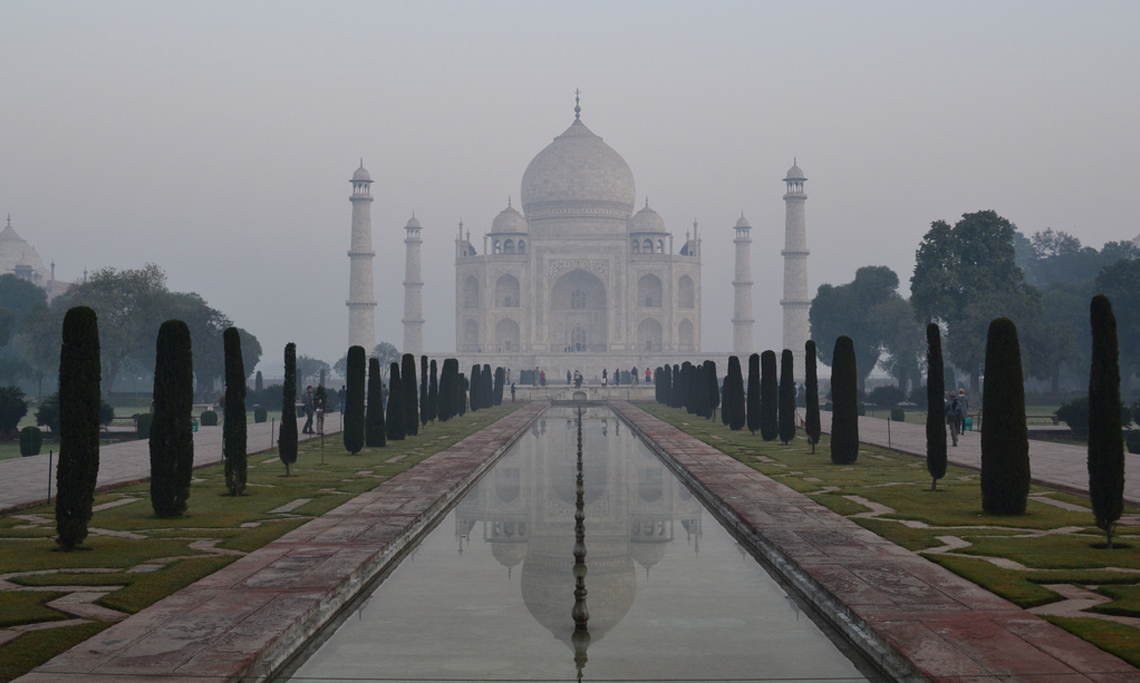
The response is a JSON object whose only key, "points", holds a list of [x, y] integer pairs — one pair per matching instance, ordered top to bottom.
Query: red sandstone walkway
{"points": [[908, 608], [247, 619]]}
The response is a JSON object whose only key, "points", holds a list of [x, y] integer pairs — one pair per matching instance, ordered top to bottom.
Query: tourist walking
{"points": [[604, 377], [512, 392], [340, 398], [965, 401], [307, 406], [954, 415]]}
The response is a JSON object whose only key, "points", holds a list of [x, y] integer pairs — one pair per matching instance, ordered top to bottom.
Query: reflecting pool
{"points": [[488, 594]]}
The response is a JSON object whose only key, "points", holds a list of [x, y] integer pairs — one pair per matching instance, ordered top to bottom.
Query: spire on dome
{"points": [[577, 109]]}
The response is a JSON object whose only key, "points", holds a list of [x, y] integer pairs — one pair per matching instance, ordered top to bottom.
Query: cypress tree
{"points": [[448, 379], [657, 379], [500, 380], [258, 384], [476, 385], [462, 386], [713, 388], [700, 390], [354, 391], [487, 391], [433, 394], [734, 395], [811, 395], [424, 399], [411, 400], [845, 402], [79, 403], [752, 404], [769, 406], [935, 407], [787, 416], [396, 420], [374, 427], [234, 428], [171, 435], [287, 437], [1005, 441], [1106, 443]]}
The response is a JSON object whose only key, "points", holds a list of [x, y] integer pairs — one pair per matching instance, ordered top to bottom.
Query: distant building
{"points": [[20, 259]]}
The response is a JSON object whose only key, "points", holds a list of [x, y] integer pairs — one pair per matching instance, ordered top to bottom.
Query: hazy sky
{"points": [[216, 139]]}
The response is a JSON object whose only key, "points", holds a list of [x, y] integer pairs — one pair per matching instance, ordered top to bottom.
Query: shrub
{"points": [[80, 374], [500, 381], [844, 391], [354, 393], [811, 395], [887, 396], [475, 402], [936, 407], [13, 408], [106, 414], [260, 414], [1075, 414], [47, 415], [898, 415], [787, 417], [209, 418], [142, 426], [374, 428], [234, 434], [287, 436], [31, 439], [171, 439], [1133, 441], [1005, 442], [1106, 447]]}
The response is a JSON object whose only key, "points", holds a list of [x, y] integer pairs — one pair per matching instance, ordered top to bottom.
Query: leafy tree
{"points": [[1120, 282], [19, 295], [847, 310], [900, 334], [38, 340], [250, 351], [387, 354], [309, 367], [79, 392], [424, 392], [433, 395], [811, 396], [787, 398], [411, 400], [845, 403], [752, 404], [769, 406], [733, 407], [935, 407], [13, 408], [47, 415], [354, 415], [1075, 415], [396, 419], [234, 428], [375, 430], [171, 436], [287, 437], [1005, 443], [1106, 443]]}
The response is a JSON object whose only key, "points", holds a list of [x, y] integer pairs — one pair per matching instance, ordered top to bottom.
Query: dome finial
{"points": [[577, 109], [508, 201], [647, 201]]}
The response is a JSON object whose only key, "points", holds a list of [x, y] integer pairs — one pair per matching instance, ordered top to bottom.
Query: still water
{"points": [[487, 595]]}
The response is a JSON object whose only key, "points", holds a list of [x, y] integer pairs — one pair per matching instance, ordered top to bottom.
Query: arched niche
{"points": [[507, 291], [649, 291], [471, 292], [686, 292], [579, 320], [649, 335], [686, 335], [470, 336], [507, 337]]}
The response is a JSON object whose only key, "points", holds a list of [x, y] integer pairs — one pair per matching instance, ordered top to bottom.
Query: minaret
{"points": [[413, 290], [361, 295], [796, 301], [742, 318]]}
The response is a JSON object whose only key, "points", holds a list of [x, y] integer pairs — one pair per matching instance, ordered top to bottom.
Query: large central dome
{"points": [[578, 174]]}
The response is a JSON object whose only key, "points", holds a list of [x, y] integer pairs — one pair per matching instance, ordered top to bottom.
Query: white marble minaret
{"points": [[413, 291], [361, 295], [796, 301], [742, 318]]}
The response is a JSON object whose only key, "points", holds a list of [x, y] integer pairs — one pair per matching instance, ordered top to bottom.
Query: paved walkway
{"points": [[1050, 463], [24, 481], [916, 619]]}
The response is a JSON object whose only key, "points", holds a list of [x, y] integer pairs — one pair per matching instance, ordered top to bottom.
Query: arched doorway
{"points": [[507, 292], [579, 316], [507, 335], [649, 335]]}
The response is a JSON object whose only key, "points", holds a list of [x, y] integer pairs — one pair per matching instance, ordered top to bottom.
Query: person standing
{"points": [[633, 375], [605, 377], [648, 377], [569, 379], [512, 392], [340, 398], [965, 401], [307, 406], [954, 416]]}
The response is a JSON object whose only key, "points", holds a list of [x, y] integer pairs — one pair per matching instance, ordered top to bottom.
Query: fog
{"points": [[216, 139]]}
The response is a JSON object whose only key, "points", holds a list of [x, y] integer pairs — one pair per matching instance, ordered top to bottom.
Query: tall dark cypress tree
{"points": [[500, 380], [657, 380], [462, 386], [713, 388], [487, 392], [700, 392], [354, 393], [433, 394], [734, 395], [811, 395], [769, 397], [424, 399], [411, 400], [688, 400], [79, 402], [475, 403], [845, 403], [752, 404], [447, 407], [935, 407], [787, 417], [396, 421], [234, 429], [375, 431], [171, 435], [287, 436], [1005, 440], [1106, 444]]}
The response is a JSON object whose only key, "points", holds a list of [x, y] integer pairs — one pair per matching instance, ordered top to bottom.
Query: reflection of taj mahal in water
{"points": [[578, 279], [634, 511]]}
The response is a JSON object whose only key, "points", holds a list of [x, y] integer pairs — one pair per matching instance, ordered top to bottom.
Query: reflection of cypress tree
{"points": [[500, 380], [476, 384], [712, 387], [424, 395], [433, 395], [811, 395], [787, 398], [411, 400], [79, 402], [845, 403], [752, 405], [769, 406], [447, 407], [733, 407], [935, 407], [354, 408], [396, 419], [234, 429], [375, 429], [171, 433], [287, 436], [1005, 440], [1106, 444]]}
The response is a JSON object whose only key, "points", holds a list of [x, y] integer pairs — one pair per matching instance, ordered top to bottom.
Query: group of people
{"points": [[576, 378], [957, 408]]}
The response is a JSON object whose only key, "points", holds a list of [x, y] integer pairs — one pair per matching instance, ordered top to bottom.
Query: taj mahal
{"points": [[581, 279]]}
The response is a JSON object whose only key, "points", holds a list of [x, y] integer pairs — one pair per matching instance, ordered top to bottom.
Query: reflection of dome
{"points": [[580, 170], [509, 220], [647, 220], [509, 554], [648, 554]]}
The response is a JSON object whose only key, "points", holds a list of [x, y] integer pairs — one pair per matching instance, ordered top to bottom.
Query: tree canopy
{"points": [[846, 310]]}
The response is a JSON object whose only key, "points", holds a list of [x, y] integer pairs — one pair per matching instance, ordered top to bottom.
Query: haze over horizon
{"points": [[216, 139]]}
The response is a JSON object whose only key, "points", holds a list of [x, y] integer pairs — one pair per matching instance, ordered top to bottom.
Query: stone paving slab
{"points": [[247, 619], [917, 620]]}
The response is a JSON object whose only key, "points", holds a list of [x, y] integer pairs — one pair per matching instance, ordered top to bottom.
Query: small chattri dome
{"points": [[361, 173], [794, 173], [509, 220], [647, 220], [413, 222], [742, 222]]}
